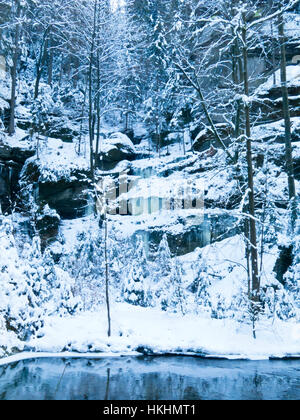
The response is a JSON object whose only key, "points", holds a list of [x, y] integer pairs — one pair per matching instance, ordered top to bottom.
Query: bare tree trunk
{"points": [[271, 7], [50, 61], [40, 63], [61, 71], [196, 85], [91, 101], [98, 102], [82, 116], [287, 120], [11, 128], [107, 276], [255, 281]]}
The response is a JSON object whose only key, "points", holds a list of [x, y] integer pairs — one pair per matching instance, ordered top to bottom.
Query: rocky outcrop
{"points": [[268, 102], [56, 127], [276, 131], [206, 138], [117, 148], [16, 154], [12, 159], [68, 197], [190, 233]]}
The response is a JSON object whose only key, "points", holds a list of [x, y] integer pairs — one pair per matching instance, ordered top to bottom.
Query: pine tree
{"points": [[136, 288]]}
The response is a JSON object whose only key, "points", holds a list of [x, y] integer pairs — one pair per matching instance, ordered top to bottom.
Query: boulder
{"points": [[268, 102], [206, 138], [117, 148], [15, 154], [9, 188], [67, 196], [47, 220], [47, 223], [187, 234]]}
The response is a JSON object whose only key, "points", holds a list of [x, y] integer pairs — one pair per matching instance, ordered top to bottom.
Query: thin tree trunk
{"points": [[271, 6], [50, 61], [40, 63], [198, 89], [91, 102], [98, 106], [82, 116], [287, 120], [11, 128], [107, 276], [255, 292]]}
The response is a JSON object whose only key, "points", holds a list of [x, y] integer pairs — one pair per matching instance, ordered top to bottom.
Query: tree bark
{"points": [[50, 61], [40, 63], [91, 101], [98, 110], [287, 121], [11, 128], [107, 276], [255, 281]]}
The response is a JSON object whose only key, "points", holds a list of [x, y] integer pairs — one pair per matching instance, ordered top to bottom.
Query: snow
{"points": [[291, 26], [293, 79], [275, 129], [19, 140], [118, 141], [59, 160], [53, 288], [162, 332], [34, 355]]}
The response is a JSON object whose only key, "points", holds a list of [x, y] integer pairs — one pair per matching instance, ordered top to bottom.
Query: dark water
{"points": [[163, 378]]}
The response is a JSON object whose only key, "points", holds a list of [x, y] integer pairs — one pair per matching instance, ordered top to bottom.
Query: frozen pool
{"points": [[149, 378]]}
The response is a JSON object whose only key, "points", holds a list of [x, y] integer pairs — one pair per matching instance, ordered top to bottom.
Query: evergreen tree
{"points": [[136, 285]]}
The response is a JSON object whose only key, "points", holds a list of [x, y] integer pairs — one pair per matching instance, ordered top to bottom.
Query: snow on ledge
{"points": [[64, 355], [96, 356]]}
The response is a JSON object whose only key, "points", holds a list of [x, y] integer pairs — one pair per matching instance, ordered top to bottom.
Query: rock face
{"points": [[269, 96], [206, 138], [117, 148], [15, 154], [12, 159], [9, 175], [68, 197], [47, 224], [191, 234]]}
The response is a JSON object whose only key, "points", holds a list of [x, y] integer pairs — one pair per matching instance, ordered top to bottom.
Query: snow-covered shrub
{"points": [[86, 265], [292, 277], [136, 284], [31, 287], [199, 287], [166, 288], [177, 293]]}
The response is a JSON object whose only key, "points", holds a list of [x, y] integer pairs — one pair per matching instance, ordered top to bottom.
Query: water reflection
{"points": [[163, 378]]}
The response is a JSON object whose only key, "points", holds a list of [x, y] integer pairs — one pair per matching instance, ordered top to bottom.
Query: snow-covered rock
{"points": [[293, 79], [117, 148]]}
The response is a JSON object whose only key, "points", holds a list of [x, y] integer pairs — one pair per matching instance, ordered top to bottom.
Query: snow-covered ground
{"points": [[293, 79], [152, 330], [158, 332]]}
